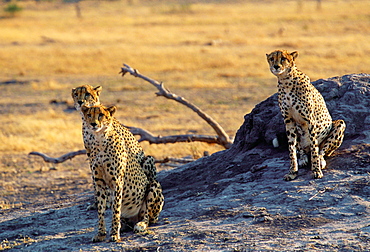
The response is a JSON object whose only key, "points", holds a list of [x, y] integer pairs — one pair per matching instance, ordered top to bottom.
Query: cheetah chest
{"points": [[293, 107]]}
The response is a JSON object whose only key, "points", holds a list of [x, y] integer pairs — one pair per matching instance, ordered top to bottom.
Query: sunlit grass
{"points": [[153, 40], [211, 53], [47, 130]]}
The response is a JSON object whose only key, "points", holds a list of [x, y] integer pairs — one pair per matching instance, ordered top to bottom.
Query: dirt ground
{"points": [[239, 209]]}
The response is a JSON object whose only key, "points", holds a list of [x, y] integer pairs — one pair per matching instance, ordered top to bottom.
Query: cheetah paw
{"points": [[317, 174], [289, 177], [140, 227], [99, 237], [115, 238]]}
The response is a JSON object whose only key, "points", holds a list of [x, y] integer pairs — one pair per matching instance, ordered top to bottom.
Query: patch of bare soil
{"points": [[230, 210]]}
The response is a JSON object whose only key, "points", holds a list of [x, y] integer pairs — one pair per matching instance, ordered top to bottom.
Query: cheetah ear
{"points": [[294, 55], [98, 89], [84, 109], [112, 110]]}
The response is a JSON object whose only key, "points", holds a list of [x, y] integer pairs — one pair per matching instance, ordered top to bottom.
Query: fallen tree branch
{"points": [[149, 137], [222, 137], [73, 154], [60, 159], [175, 160]]}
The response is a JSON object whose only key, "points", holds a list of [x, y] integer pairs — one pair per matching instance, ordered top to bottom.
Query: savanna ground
{"points": [[212, 53]]}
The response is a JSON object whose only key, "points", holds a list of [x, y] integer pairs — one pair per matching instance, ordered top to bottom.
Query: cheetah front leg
{"points": [[291, 132], [301, 144], [316, 159], [101, 196], [116, 209]]}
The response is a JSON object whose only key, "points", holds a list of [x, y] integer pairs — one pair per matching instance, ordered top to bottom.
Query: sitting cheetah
{"points": [[87, 95], [309, 127], [116, 168]]}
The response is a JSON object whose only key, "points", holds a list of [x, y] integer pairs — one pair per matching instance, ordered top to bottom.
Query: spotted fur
{"points": [[309, 126], [117, 168]]}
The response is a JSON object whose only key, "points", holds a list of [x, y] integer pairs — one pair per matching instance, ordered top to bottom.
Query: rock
{"points": [[347, 97]]}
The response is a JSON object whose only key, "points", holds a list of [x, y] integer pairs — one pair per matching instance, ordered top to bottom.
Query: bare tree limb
{"points": [[148, 136], [222, 137], [73, 154], [60, 159], [176, 160]]}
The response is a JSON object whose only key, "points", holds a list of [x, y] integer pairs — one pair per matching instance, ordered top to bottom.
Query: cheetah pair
{"points": [[119, 167]]}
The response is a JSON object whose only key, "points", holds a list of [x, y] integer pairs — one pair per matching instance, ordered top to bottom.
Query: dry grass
{"points": [[211, 53]]}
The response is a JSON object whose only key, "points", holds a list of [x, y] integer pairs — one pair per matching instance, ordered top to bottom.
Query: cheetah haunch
{"points": [[309, 126], [118, 170]]}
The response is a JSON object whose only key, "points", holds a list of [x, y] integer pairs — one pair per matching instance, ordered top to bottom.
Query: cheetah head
{"points": [[281, 61], [86, 95], [98, 118]]}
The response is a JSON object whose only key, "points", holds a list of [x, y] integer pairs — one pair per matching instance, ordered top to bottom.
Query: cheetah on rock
{"points": [[309, 126], [117, 170]]}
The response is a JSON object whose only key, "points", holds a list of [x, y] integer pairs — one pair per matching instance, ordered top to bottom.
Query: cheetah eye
{"points": [[283, 59], [87, 95], [101, 115]]}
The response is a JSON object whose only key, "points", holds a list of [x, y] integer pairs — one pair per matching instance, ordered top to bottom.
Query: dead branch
{"points": [[148, 136], [222, 137], [73, 154], [60, 159], [175, 160]]}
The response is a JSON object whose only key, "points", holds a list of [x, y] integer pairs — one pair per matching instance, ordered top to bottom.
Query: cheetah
{"points": [[87, 95], [309, 126], [116, 169]]}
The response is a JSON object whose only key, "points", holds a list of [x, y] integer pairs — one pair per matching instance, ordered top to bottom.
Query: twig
{"points": [[222, 137], [326, 189]]}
